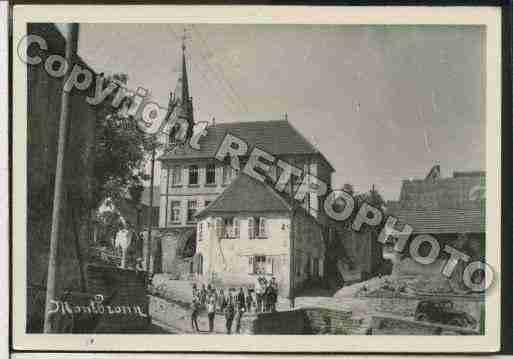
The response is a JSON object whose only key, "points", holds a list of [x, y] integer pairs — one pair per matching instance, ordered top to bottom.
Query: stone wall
{"points": [[121, 288], [304, 321], [291, 322]]}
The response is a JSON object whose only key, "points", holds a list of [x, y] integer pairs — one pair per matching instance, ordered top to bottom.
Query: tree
{"points": [[120, 150]]}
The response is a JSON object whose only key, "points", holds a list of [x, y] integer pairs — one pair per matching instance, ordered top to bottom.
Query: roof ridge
{"points": [[244, 122], [235, 182], [218, 198]]}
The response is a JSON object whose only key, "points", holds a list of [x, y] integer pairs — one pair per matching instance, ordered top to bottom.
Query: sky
{"points": [[382, 103]]}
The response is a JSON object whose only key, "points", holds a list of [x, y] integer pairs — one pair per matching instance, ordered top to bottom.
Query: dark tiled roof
{"points": [[275, 137], [454, 192], [246, 194], [442, 220]]}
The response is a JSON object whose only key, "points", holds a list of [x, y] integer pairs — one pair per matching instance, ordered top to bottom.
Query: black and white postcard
{"points": [[284, 179]]}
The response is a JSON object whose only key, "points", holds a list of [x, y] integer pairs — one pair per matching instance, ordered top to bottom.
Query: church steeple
{"points": [[182, 86], [181, 101]]}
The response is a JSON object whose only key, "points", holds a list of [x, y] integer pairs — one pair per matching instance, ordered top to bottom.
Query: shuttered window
{"points": [[211, 174], [177, 175], [193, 175], [192, 206], [175, 211], [231, 227], [236, 227], [262, 227], [219, 228], [251, 228], [261, 264], [269, 265], [251, 268]]}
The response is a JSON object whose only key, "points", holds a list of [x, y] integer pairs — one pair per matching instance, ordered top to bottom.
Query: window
{"points": [[211, 174], [193, 175], [177, 176], [207, 203], [191, 210], [175, 211], [219, 227], [257, 227], [230, 228], [251, 228], [262, 228], [258, 264], [261, 264], [308, 267], [316, 272]]}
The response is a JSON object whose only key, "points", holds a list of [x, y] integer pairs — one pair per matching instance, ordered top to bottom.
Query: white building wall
{"points": [[201, 192], [229, 259]]}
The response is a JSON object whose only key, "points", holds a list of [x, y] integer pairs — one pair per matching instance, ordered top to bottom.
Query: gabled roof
{"points": [[275, 137], [452, 192], [246, 194], [442, 220]]}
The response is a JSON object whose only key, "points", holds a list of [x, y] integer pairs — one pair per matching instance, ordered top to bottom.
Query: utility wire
{"points": [[202, 73], [223, 75]]}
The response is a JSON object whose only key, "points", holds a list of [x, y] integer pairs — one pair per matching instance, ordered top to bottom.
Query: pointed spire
{"points": [[183, 76], [181, 94], [181, 102]]}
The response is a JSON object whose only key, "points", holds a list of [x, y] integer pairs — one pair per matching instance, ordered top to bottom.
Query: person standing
{"points": [[122, 243], [259, 290], [273, 294], [203, 295], [221, 300], [249, 300], [254, 300], [240, 304], [211, 311], [194, 313], [229, 313]]}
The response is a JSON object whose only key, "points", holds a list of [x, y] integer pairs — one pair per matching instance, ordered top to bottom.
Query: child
{"points": [[211, 310], [194, 313], [229, 313]]}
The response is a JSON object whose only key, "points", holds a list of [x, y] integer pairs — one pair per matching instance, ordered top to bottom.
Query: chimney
{"points": [[213, 121]]}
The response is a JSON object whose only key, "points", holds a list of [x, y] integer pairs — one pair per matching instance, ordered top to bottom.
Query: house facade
{"points": [[250, 231]]}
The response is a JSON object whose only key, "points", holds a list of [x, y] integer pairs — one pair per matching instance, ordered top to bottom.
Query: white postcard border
{"points": [[487, 16]]}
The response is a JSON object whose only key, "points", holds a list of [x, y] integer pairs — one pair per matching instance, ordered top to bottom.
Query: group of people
{"points": [[233, 303]]}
